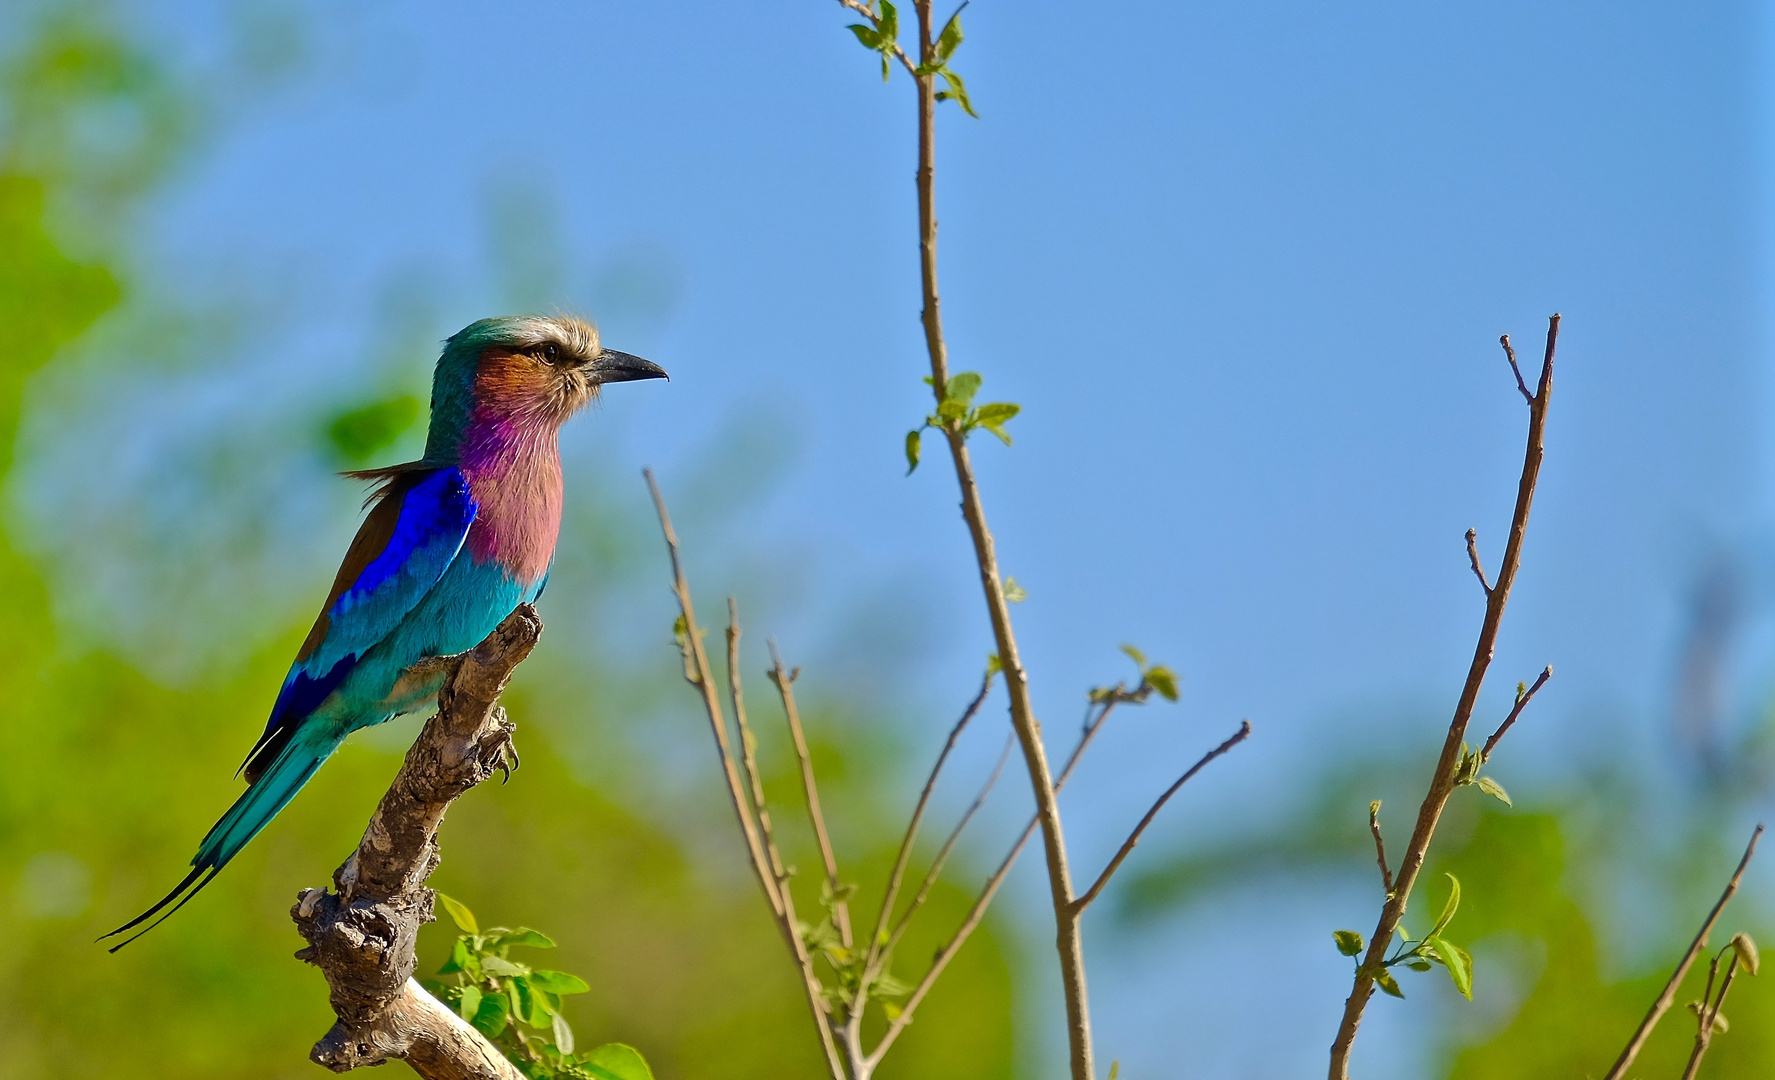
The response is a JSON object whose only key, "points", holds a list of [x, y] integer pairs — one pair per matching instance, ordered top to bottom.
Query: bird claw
{"points": [[507, 761]]}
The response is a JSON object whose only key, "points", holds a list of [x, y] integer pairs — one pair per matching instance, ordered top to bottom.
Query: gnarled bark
{"points": [[362, 935]]}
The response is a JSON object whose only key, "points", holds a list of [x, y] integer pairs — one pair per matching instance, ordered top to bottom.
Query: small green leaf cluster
{"points": [[882, 35], [938, 64], [957, 412], [1154, 679], [1467, 772], [1419, 954], [849, 965], [518, 1008]]}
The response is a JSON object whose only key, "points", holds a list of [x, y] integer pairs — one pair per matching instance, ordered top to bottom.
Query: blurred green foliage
{"points": [[116, 776]]}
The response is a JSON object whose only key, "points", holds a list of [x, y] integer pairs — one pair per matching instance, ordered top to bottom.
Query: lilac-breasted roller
{"points": [[451, 545]]}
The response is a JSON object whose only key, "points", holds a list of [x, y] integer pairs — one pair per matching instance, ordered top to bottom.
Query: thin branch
{"points": [[1510, 354], [1473, 558], [699, 674], [785, 681], [1515, 711], [749, 757], [1442, 782], [1380, 846], [1127, 847], [936, 870], [896, 876], [989, 890], [362, 936], [1662, 1005]]}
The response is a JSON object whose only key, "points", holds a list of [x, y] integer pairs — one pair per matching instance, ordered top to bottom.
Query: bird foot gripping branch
{"points": [[362, 936]]}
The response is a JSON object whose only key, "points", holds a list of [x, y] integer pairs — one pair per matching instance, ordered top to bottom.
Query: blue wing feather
{"points": [[406, 543]]}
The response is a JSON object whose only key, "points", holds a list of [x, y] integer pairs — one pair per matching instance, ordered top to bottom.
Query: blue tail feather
{"points": [[255, 808]]}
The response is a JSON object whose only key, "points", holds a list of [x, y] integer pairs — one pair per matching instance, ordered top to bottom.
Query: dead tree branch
{"points": [[785, 683], [362, 936]]}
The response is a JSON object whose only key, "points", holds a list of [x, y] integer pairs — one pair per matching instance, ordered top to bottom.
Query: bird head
{"points": [[529, 370]]}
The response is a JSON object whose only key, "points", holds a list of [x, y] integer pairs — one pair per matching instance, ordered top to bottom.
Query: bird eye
{"points": [[550, 353]]}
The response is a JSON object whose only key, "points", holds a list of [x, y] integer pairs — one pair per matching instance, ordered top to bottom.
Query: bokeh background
{"points": [[1243, 266]]}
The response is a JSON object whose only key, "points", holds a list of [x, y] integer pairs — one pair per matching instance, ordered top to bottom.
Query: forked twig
{"points": [[1668, 996]]}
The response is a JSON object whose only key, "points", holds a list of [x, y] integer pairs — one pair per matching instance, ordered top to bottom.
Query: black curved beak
{"points": [[612, 366]]}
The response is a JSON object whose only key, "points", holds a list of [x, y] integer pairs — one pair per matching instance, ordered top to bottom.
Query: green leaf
{"points": [[890, 23], [868, 35], [950, 38], [959, 91], [962, 387], [952, 409], [992, 417], [912, 441], [1014, 593], [1135, 655], [993, 665], [1160, 678], [1494, 789], [1448, 909], [460, 914], [523, 935], [1349, 942], [1457, 961], [1418, 964], [499, 965], [559, 982], [1387, 983], [470, 1003], [532, 1006], [494, 1013], [563, 1034], [615, 1061], [1115, 1067]]}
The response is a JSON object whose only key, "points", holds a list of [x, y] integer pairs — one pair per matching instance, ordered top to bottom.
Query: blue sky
{"points": [[1243, 266]]}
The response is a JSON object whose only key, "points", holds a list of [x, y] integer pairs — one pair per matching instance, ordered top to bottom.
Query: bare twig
{"points": [[1510, 354], [1473, 558], [699, 674], [785, 682], [1515, 711], [749, 757], [1443, 781], [1380, 846], [1127, 847], [936, 870], [898, 873], [990, 889], [362, 936], [1662, 1005]]}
